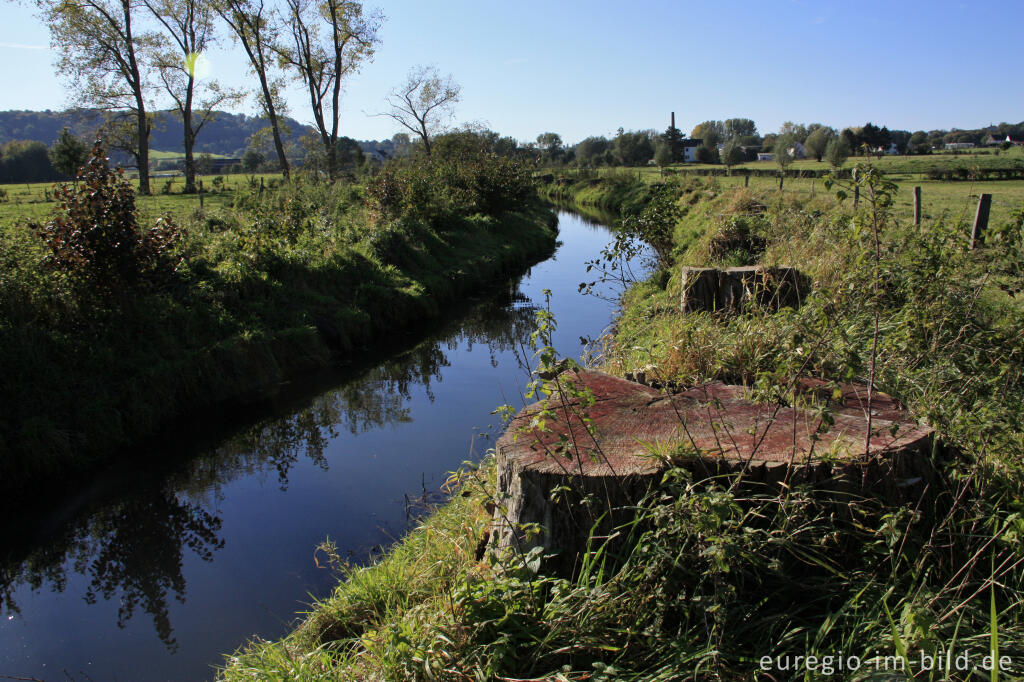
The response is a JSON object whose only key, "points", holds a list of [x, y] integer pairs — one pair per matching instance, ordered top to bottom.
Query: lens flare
{"points": [[198, 65]]}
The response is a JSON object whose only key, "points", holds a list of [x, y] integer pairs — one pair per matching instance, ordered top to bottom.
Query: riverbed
{"points": [[192, 546]]}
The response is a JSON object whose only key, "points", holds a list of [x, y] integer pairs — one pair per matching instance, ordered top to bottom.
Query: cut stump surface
{"points": [[635, 433]]}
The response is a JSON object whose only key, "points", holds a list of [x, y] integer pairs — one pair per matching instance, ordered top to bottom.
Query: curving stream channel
{"points": [[190, 547]]}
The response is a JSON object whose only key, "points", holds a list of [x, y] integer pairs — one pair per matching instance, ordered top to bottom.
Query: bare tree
{"points": [[254, 26], [190, 32], [331, 40], [101, 57], [424, 102]]}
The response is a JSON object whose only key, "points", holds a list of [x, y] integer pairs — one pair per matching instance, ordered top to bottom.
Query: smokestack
{"points": [[673, 119]]}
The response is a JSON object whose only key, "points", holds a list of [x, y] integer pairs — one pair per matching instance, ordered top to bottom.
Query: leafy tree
{"points": [[256, 28], [189, 33], [331, 40], [101, 51], [424, 102], [740, 128], [797, 131], [710, 132], [874, 137], [900, 138], [674, 139], [852, 140], [768, 142], [817, 142], [919, 143], [401, 144], [550, 145], [633, 148], [783, 150], [590, 151], [837, 151], [68, 153], [662, 153], [732, 153], [349, 154], [706, 154], [252, 160], [27, 161], [654, 224]]}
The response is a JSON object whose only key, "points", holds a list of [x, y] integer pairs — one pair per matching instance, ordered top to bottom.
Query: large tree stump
{"points": [[728, 290], [550, 461]]}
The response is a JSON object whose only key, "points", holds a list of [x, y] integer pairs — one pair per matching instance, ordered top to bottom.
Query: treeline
{"points": [[226, 133], [737, 140], [26, 161]]}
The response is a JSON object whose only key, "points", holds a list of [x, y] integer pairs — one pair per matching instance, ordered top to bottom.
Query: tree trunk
{"points": [[275, 127], [190, 141], [143, 156], [728, 291], [577, 480]]}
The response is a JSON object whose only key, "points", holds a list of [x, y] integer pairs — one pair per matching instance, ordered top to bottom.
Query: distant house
{"points": [[994, 140], [959, 145], [690, 149], [765, 156]]}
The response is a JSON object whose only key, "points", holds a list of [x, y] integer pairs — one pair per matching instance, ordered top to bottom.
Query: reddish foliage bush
{"points": [[96, 234]]}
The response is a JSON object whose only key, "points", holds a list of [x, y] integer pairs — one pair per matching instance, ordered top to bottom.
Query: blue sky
{"points": [[587, 68]]}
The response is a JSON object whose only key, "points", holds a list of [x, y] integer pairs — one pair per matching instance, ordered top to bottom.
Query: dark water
{"points": [[196, 545]]}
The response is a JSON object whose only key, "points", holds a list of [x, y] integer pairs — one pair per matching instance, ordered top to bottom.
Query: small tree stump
{"points": [[728, 290], [566, 477]]}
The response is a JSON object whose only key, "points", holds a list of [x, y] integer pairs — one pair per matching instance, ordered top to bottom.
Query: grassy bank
{"points": [[619, 189], [98, 351], [723, 576]]}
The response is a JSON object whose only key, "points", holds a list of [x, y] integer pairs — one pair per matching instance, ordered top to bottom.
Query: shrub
{"points": [[434, 188], [95, 232]]}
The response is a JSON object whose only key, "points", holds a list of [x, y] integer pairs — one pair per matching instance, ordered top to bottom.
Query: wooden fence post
{"points": [[746, 179], [780, 181], [856, 195], [917, 206], [981, 220]]}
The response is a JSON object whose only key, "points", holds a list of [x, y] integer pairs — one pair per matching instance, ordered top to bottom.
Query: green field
{"points": [[156, 155], [34, 200], [953, 200]]}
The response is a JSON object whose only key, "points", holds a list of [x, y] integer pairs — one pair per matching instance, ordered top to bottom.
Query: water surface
{"points": [[188, 549]]}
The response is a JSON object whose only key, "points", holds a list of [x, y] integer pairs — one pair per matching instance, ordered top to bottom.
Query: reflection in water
{"points": [[130, 547]]}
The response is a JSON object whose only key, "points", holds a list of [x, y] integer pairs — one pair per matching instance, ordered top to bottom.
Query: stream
{"points": [[188, 548]]}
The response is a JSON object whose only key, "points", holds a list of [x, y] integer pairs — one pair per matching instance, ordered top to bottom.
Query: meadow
{"points": [[950, 200], [34, 201]]}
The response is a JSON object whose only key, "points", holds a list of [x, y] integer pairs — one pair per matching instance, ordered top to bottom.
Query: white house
{"points": [[690, 149]]}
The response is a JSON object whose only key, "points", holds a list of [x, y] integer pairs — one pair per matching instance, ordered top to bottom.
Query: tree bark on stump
{"points": [[729, 290], [575, 466]]}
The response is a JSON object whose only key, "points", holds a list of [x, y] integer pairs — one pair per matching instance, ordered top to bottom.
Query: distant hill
{"points": [[227, 134]]}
